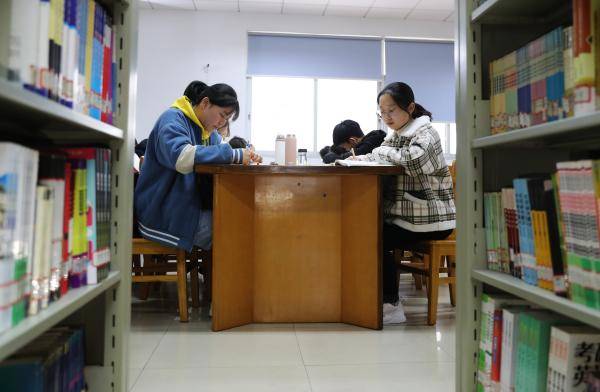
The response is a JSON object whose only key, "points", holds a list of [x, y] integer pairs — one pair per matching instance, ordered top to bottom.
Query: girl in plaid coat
{"points": [[419, 204]]}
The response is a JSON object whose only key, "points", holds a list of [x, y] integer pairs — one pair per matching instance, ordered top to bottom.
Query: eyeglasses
{"points": [[388, 114]]}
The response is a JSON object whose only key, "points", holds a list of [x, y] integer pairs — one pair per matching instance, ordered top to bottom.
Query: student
{"points": [[224, 131], [347, 135], [167, 195], [419, 204]]}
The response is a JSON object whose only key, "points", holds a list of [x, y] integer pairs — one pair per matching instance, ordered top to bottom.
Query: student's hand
{"points": [[246, 157], [255, 157], [351, 158]]}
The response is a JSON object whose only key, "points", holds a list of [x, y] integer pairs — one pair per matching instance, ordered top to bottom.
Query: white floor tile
{"points": [[254, 345], [342, 345], [141, 347], [132, 377], [430, 377], [259, 379]]}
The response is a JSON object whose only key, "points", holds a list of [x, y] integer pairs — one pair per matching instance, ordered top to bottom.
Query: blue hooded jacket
{"points": [[167, 194]]}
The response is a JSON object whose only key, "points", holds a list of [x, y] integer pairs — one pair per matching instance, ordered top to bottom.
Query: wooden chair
{"points": [[435, 257], [156, 267]]}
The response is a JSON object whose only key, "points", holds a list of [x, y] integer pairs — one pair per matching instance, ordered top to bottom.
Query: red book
{"points": [[106, 73], [67, 214], [497, 346]]}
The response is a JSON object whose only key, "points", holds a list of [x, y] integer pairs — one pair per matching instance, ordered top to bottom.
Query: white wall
{"points": [[174, 46]]}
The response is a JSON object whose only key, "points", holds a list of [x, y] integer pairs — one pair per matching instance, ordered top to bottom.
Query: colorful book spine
{"points": [[583, 53], [568, 105], [526, 239]]}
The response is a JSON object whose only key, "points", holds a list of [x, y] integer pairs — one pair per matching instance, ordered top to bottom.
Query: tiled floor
{"points": [[166, 355]]}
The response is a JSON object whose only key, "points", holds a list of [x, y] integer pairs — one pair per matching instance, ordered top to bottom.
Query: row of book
{"points": [[64, 50], [550, 78], [54, 225], [545, 231], [524, 348], [53, 362]]}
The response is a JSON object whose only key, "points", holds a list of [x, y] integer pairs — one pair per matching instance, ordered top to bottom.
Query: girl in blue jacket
{"points": [[167, 194]]}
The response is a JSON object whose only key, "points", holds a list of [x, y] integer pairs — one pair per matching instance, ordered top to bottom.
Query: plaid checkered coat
{"points": [[422, 199]]}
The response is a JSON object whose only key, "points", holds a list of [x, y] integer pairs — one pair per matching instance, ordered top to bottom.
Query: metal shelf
{"points": [[515, 11], [34, 111], [568, 130], [539, 296], [33, 326]]}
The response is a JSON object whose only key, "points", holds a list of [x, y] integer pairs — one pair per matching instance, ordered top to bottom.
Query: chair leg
{"points": [[451, 260], [207, 276], [195, 280], [418, 281], [182, 286], [432, 286], [144, 292]]}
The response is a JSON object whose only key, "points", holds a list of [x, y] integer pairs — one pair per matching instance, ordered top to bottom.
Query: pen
{"points": [[352, 151]]}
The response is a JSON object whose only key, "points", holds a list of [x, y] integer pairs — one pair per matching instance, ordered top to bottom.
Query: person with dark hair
{"points": [[194, 90], [348, 136], [238, 142], [168, 193], [418, 204]]}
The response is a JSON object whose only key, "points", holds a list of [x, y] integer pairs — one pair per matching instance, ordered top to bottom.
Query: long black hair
{"points": [[194, 90], [222, 95], [403, 95]]}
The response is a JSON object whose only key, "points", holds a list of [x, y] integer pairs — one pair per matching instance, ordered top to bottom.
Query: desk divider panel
{"points": [[233, 250], [297, 251], [361, 251]]}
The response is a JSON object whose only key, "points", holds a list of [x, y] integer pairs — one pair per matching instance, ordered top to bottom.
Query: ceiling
{"points": [[433, 10]]}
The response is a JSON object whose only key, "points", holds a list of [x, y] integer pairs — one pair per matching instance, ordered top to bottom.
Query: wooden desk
{"points": [[296, 244]]}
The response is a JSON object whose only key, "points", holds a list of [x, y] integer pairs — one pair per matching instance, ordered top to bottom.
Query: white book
{"points": [[23, 47], [43, 60], [349, 162], [58, 189], [8, 190], [40, 287], [489, 304], [510, 337], [573, 350]]}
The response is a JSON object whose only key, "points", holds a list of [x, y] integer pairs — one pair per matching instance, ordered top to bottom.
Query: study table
{"points": [[296, 244]]}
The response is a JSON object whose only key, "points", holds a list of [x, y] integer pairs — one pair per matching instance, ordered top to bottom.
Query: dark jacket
{"points": [[370, 141]]}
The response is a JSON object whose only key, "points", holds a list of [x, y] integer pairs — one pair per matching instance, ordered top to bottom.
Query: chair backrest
{"points": [[452, 169]]}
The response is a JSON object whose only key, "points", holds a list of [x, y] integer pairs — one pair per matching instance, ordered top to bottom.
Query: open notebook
{"points": [[348, 162]]}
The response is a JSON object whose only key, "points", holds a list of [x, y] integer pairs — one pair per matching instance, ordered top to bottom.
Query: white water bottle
{"points": [[280, 150]]}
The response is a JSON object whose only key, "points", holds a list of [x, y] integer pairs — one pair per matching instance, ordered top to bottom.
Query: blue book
{"points": [[523, 204]]}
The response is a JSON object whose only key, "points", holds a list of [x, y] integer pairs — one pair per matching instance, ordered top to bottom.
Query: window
{"points": [[281, 106], [309, 108], [447, 132]]}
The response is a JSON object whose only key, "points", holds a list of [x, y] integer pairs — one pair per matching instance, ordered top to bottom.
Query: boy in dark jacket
{"points": [[347, 135]]}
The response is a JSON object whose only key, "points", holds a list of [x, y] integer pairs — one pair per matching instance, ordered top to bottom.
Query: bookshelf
{"points": [[486, 162], [103, 309]]}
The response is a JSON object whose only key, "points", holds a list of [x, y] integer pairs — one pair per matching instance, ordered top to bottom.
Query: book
{"points": [[583, 56], [349, 162], [491, 308], [510, 337], [573, 353]]}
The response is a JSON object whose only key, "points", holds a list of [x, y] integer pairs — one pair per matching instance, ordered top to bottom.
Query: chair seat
{"points": [[157, 271]]}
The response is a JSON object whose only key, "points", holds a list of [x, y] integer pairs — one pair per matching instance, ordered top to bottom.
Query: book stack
{"points": [[64, 50], [550, 78], [579, 191], [54, 225], [551, 228], [528, 349], [489, 358], [573, 358], [52, 362]]}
